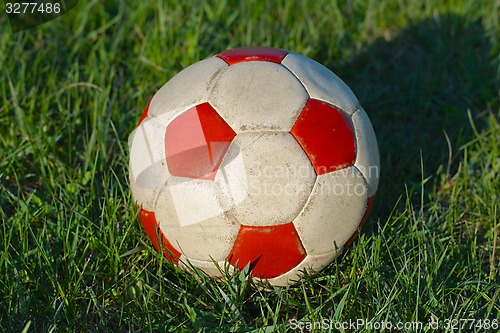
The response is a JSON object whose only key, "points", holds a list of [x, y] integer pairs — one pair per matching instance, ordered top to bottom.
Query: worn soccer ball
{"points": [[258, 157]]}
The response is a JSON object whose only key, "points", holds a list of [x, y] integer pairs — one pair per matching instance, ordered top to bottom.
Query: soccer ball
{"points": [[255, 156]]}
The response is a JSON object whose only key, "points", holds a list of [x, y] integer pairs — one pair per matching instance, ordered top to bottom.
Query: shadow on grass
{"points": [[416, 86]]}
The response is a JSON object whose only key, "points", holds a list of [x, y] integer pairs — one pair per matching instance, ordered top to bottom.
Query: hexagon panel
{"points": [[244, 54], [321, 83], [258, 96], [326, 135], [196, 141], [367, 159], [148, 170], [265, 178], [183, 202], [335, 206], [366, 215], [192, 216], [211, 239], [270, 250], [311, 264], [210, 267]]}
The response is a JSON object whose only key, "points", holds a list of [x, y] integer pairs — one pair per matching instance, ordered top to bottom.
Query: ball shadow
{"points": [[417, 86]]}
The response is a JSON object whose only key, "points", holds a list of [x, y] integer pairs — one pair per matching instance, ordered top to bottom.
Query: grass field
{"points": [[73, 257]]}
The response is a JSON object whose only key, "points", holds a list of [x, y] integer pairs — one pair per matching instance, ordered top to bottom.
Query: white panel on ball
{"points": [[321, 83], [188, 88], [258, 96], [367, 158], [148, 171], [277, 175], [231, 177], [147, 185], [189, 200], [333, 212], [190, 215], [206, 240], [311, 264], [209, 267]]}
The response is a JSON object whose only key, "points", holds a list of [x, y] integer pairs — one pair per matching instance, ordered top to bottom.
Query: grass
{"points": [[73, 257]]}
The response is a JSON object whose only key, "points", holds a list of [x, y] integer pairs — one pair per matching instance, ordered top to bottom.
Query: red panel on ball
{"points": [[243, 54], [144, 114], [326, 135], [196, 142], [368, 210], [150, 225], [270, 250]]}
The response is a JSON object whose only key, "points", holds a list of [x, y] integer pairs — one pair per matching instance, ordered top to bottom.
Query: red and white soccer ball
{"points": [[256, 156]]}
